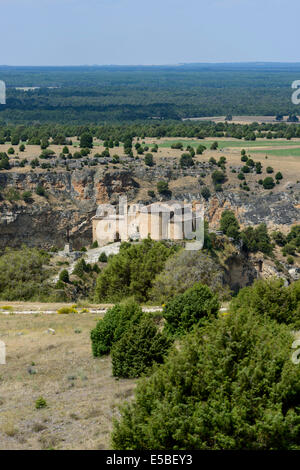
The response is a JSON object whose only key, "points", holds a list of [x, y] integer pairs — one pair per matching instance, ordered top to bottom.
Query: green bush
{"points": [[268, 182], [27, 197], [229, 224], [257, 239], [103, 257], [81, 267], [132, 271], [24, 275], [64, 276], [272, 299], [197, 305], [113, 325], [138, 349], [230, 386], [40, 403]]}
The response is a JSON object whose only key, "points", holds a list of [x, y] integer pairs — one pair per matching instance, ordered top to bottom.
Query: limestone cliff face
{"points": [[73, 197], [71, 202], [278, 210]]}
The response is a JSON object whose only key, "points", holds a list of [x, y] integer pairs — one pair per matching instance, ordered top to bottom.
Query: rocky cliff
{"points": [[72, 198], [66, 211]]}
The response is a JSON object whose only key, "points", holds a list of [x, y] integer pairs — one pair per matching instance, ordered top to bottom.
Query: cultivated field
{"points": [[81, 394]]}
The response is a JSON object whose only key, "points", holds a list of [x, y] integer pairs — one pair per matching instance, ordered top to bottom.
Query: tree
{"points": [[86, 140], [44, 143], [214, 146], [200, 149], [186, 160], [4, 161], [149, 161], [258, 168], [218, 177], [268, 183], [163, 188], [40, 190], [205, 192], [229, 224], [257, 239], [103, 257], [132, 271], [182, 271], [64, 276], [270, 298], [194, 307], [114, 324], [137, 350], [229, 386]]}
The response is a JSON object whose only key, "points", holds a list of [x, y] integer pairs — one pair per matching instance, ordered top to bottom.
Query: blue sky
{"points": [[87, 32]]}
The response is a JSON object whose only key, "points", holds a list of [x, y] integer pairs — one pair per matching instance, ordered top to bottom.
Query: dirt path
{"points": [[34, 308]]}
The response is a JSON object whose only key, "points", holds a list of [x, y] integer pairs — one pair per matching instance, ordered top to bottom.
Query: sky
{"points": [[147, 32]]}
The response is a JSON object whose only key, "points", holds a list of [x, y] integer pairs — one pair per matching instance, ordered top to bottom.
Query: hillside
{"points": [[63, 192]]}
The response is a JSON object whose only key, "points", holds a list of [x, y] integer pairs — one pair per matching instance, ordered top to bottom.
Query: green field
{"points": [[231, 143], [294, 152]]}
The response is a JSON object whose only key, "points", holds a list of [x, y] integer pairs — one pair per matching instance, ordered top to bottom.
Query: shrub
{"points": [[86, 140], [149, 159], [186, 160], [4, 161], [218, 177], [268, 183], [163, 188], [40, 191], [151, 193], [205, 193], [27, 197], [229, 224], [257, 239], [103, 257], [81, 267], [182, 271], [24, 275], [64, 276], [272, 299], [197, 305], [66, 310], [113, 325], [141, 347], [230, 386], [40, 403]]}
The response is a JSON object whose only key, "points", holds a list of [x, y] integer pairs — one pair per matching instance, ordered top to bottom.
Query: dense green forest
{"points": [[97, 94]]}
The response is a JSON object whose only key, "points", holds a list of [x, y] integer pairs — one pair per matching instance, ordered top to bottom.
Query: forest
{"points": [[114, 94]]}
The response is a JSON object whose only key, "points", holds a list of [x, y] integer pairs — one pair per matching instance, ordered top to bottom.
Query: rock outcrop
{"points": [[72, 198]]}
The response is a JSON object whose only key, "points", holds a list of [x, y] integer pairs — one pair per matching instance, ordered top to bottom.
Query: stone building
{"points": [[170, 220]]}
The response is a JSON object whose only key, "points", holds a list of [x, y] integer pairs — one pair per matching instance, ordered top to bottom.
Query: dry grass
{"points": [[81, 394]]}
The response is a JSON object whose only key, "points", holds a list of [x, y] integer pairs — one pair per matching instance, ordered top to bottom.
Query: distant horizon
{"points": [[179, 64]]}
